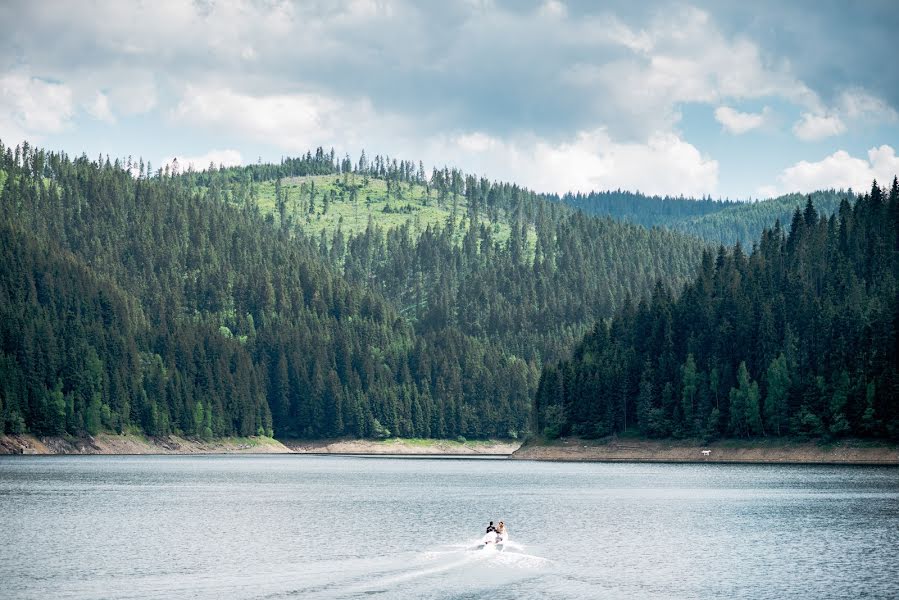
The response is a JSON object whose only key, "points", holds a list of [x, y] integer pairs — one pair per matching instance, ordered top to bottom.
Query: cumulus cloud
{"points": [[553, 9], [684, 58], [473, 65], [132, 93], [858, 104], [852, 106], [31, 107], [98, 108], [293, 122], [737, 122], [813, 127], [476, 142], [227, 158], [591, 160], [840, 170]]}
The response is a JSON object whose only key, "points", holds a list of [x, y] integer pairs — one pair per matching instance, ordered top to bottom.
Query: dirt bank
{"points": [[107, 443], [404, 447], [843, 452]]}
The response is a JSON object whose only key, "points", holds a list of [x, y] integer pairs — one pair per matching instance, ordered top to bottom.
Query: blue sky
{"points": [[724, 98]]}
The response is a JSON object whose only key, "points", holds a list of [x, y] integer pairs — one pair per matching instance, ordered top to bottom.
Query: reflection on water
{"points": [[306, 527]]}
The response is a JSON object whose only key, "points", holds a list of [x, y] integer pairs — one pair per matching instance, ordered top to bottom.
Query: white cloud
{"points": [[553, 9], [681, 58], [132, 93], [858, 104], [31, 107], [98, 108], [294, 122], [737, 122], [818, 126], [476, 142], [228, 158], [662, 164], [840, 170], [767, 191]]}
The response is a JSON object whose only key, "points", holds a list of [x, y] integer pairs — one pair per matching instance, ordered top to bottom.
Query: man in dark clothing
{"points": [[491, 527]]}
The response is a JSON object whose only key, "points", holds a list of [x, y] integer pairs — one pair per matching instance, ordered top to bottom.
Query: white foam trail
{"points": [[456, 556], [391, 580]]}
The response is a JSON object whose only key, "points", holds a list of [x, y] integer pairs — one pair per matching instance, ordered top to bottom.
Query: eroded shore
{"points": [[108, 443], [403, 447], [566, 449], [765, 452]]}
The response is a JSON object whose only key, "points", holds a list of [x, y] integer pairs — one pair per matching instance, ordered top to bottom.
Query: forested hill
{"points": [[649, 211], [723, 222], [493, 261], [137, 302], [227, 302], [798, 338]]}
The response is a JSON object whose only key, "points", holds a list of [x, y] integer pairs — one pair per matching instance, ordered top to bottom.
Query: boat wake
{"points": [[467, 565]]}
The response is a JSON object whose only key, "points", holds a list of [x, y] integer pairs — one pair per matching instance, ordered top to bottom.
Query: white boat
{"points": [[491, 541]]}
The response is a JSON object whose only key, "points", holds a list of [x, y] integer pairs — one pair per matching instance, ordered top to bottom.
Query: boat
{"points": [[491, 541]]}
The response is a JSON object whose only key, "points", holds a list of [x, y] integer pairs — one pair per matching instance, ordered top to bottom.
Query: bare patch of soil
{"points": [[622, 449]]}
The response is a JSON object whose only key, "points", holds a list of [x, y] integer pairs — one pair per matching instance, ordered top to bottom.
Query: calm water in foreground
{"points": [[306, 527]]}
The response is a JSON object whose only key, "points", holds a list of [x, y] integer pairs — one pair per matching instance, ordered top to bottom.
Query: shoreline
{"points": [[134, 444], [405, 447], [842, 452]]}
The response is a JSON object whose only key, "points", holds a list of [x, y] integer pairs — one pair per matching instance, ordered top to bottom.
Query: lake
{"points": [[353, 527]]}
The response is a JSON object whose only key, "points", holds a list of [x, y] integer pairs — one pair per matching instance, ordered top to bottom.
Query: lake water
{"points": [[341, 527]]}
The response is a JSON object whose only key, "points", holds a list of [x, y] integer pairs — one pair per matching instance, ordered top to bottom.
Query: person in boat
{"points": [[491, 527], [500, 532]]}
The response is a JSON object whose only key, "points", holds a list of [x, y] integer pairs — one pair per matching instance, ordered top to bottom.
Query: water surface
{"points": [[306, 527]]}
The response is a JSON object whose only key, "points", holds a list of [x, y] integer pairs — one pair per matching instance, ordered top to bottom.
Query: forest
{"points": [[715, 221], [257, 300], [136, 302], [795, 338]]}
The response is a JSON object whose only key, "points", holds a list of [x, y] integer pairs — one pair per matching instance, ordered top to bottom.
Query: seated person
{"points": [[500, 532]]}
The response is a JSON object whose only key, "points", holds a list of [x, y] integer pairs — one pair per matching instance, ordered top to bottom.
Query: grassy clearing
{"points": [[409, 205]]}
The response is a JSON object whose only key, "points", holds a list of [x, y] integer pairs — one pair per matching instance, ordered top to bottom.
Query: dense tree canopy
{"points": [[723, 222], [535, 293], [134, 301], [178, 303], [796, 338]]}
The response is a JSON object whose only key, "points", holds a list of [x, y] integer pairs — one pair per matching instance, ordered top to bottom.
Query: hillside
{"points": [[648, 211], [718, 222], [745, 222], [490, 260], [311, 298], [138, 302], [248, 314], [796, 339]]}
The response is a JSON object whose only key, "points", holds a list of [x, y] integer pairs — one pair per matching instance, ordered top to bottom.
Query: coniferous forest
{"points": [[716, 221], [134, 302], [175, 303], [795, 338]]}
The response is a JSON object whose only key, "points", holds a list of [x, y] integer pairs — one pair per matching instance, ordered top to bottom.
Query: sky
{"points": [[721, 98]]}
